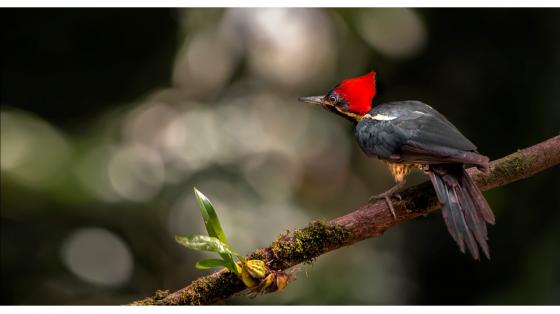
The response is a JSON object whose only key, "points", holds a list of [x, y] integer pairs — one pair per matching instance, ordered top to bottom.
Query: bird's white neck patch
{"points": [[380, 117]]}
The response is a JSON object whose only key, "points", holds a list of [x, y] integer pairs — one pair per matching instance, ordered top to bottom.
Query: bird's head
{"points": [[350, 98]]}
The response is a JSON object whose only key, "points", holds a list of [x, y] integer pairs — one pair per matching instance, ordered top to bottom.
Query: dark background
{"points": [[73, 80]]}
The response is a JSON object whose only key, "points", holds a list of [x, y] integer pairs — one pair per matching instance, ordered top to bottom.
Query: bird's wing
{"points": [[414, 132]]}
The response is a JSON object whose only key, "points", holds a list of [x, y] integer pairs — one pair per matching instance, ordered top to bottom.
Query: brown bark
{"points": [[370, 220]]}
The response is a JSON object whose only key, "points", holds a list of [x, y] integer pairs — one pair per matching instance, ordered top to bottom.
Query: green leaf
{"points": [[210, 217], [213, 226], [204, 243], [211, 263], [231, 265]]}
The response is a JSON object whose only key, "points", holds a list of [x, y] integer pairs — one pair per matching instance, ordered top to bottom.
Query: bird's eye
{"points": [[333, 98]]}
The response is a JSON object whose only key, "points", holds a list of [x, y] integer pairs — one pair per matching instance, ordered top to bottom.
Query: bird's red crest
{"points": [[358, 92]]}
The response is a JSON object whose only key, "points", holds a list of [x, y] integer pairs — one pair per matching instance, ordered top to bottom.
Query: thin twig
{"points": [[370, 220]]}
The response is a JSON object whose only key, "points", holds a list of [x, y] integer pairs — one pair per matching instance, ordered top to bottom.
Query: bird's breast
{"points": [[400, 170]]}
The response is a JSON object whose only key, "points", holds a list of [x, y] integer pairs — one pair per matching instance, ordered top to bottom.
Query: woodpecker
{"points": [[410, 134]]}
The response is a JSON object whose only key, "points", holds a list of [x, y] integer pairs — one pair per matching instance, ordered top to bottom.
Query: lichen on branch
{"points": [[306, 244]]}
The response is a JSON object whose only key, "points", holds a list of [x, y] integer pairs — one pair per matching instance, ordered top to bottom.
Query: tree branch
{"points": [[370, 220]]}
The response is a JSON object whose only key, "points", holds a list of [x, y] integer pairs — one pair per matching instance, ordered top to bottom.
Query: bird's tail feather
{"points": [[465, 209]]}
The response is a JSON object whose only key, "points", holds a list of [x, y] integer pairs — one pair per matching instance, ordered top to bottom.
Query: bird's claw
{"points": [[392, 192], [387, 197]]}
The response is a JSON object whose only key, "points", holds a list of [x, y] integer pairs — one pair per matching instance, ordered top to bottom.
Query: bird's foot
{"points": [[384, 195], [387, 195]]}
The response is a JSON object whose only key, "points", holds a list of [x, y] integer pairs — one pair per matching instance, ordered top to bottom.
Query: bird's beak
{"points": [[316, 100], [321, 101]]}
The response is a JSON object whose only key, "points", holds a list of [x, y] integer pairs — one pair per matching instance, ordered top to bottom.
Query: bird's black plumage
{"points": [[411, 132], [465, 211]]}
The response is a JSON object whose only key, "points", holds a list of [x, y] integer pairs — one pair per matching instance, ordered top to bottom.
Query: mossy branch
{"points": [[371, 220]]}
